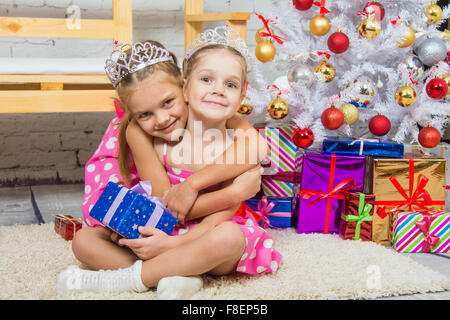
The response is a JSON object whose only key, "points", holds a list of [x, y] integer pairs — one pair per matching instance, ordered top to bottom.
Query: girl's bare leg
{"points": [[94, 248], [216, 252]]}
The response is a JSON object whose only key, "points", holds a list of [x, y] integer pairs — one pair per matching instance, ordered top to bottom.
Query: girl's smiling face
{"points": [[215, 87], [158, 106]]}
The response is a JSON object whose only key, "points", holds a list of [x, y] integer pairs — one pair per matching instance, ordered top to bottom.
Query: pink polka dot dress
{"points": [[101, 168], [259, 255]]}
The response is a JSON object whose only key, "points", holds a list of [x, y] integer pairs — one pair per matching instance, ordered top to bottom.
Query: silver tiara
{"points": [[219, 35], [140, 55]]}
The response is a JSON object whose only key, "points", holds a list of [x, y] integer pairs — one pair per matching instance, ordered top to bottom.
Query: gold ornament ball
{"points": [[433, 13], [320, 25], [369, 28], [258, 38], [407, 38], [265, 51], [326, 69], [446, 78], [406, 96], [278, 108], [245, 109], [351, 113]]}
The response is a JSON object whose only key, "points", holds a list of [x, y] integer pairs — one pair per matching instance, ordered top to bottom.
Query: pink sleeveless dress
{"points": [[259, 255]]}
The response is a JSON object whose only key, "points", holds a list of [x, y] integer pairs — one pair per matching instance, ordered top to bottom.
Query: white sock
{"points": [[74, 279], [178, 288]]}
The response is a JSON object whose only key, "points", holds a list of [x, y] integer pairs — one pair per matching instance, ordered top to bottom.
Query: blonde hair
{"points": [[190, 63], [125, 88]]}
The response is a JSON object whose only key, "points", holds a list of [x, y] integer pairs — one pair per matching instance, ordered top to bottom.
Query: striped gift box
{"points": [[283, 158], [408, 237]]}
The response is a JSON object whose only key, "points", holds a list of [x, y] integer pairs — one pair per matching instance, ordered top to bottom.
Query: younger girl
{"points": [[214, 93]]}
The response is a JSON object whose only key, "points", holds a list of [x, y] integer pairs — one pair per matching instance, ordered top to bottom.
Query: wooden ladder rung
{"points": [[217, 16], [65, 78], [52, 86], [56, 101]]}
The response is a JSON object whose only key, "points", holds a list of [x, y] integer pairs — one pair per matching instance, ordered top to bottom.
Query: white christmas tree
{"points": [[386, 69]]}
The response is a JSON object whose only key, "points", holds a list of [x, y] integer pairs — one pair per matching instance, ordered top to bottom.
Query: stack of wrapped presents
{"points": [[361, 189]]}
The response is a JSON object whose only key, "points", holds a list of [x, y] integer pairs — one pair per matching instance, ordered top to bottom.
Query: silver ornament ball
{"points": [[431, 51], [414, 66], [300, 73], [364, 86], [362, 89]]}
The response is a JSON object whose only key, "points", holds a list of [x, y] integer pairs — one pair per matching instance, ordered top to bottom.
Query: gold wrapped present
{"points": [[414, 183]]}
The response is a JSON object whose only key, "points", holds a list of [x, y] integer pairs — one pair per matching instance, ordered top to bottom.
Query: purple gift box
{"points": [[324, 179]]}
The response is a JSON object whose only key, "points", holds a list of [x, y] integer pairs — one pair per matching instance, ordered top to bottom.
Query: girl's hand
{"points": [[247, 184], [179, 199], [115, 237], [153, 243]]}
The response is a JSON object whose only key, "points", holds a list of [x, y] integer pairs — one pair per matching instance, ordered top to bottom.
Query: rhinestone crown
{"points": [[219, 35], [128, 58]]}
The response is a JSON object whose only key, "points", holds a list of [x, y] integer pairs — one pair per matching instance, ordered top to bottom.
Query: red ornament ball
{"points": [[302, 4], [376, 8], [338, 42], [437, 88], [332, 118], [379, 125], [429, 137], [303, 138]]}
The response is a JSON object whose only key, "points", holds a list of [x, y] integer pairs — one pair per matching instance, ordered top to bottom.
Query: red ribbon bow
{"points": [[321, 4], [366, 13], [394, 22], [268, 33], [324, 53], [413, 81], [274, 86], [337, 192], [413, 199], [410, 200], [430, 239]]}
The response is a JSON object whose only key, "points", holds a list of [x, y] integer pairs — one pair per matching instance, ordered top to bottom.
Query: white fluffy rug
{"points": [[314, 266]]}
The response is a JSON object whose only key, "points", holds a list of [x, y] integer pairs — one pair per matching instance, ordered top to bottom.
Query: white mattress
{"points": [[51, 65]]}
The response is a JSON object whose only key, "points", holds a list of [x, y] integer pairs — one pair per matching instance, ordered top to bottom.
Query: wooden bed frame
{"points": [[194, 18], [34, 93]]}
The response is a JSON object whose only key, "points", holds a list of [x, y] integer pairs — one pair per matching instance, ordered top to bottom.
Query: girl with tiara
{"points": [[221, 243]]}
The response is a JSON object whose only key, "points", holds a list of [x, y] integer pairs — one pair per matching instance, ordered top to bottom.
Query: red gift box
{"points": [[356, 220], [65, 226]]}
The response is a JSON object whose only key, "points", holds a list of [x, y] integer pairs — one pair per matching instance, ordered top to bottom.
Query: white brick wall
{"points": [[47, 148]]}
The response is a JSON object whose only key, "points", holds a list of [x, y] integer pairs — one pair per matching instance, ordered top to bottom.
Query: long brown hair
{"points": [[125, 88]]}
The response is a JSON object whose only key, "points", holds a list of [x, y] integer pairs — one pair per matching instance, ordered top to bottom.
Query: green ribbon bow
{"points": [[363, 214]]}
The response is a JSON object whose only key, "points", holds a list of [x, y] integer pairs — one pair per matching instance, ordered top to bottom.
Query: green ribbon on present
{"points": [[363, 214]]}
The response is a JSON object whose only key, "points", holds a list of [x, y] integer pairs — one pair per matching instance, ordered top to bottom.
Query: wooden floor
{"points": [[16, 205], [16, 208]]}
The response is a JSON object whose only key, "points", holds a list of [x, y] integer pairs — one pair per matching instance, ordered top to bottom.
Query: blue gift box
{"points": [[368, 147], [124, 211], [280, 215]]}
